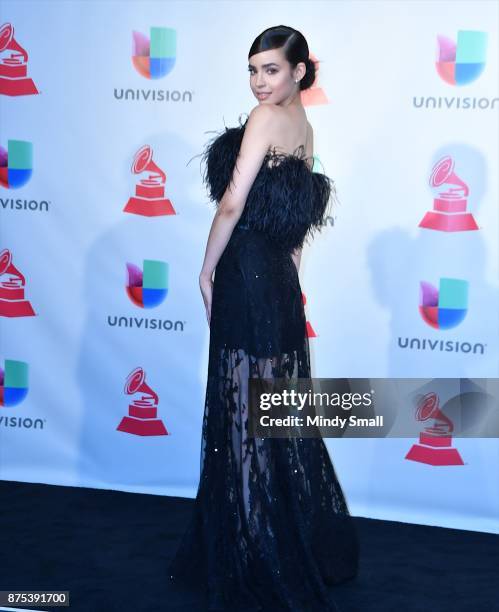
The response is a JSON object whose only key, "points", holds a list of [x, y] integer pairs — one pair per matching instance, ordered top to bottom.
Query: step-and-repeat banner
{"points": [[104, 110]]}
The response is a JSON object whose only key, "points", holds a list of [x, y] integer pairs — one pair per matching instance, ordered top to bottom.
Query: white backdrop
{"points": [[385, 119]]}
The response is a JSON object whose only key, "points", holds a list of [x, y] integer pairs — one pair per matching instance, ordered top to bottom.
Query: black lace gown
{"points": [[270, 528]]}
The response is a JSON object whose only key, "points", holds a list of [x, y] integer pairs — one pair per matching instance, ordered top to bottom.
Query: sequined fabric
{"points": [[270, 529]]}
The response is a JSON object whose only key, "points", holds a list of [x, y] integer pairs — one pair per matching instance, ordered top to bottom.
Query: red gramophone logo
{"points": [[14, 80], [314, 95], [149, 199], [449, 206], [12, 282], [310, 330], [142, 419], [435, 441]]}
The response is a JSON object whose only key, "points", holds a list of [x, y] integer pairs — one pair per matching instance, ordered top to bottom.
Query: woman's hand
{"points": [[206, 286]]}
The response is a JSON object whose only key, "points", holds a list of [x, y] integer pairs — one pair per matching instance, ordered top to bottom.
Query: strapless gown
{"points": [[270, 528]]}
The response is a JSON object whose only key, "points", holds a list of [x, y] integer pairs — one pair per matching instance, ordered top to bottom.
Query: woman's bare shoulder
{"points": [[263, 112], [267, 121]]}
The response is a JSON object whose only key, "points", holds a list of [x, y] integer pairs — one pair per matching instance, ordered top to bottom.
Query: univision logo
{"points": [[153, 58], [463, 62], [459, 64], [16, 163], [16, 168], [147, 288], [445, 307], [13, 382], [13, 391], [22, 422]]}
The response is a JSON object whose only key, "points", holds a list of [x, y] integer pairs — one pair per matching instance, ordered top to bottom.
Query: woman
{"points": [[271, 528]]}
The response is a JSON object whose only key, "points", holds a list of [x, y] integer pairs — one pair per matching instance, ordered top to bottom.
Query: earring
{"points": [[296, 80]]}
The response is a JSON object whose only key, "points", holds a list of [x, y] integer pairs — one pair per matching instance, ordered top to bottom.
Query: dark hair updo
{"points": [[294, 46]]}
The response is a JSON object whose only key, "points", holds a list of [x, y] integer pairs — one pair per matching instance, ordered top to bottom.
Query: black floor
{"points": [[111, 550]]}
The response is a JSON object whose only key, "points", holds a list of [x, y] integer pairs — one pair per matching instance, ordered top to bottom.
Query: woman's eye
{"points": [[270, 71]]}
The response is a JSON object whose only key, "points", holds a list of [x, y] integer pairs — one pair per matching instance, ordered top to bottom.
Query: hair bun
{"points": [[309, 78]]}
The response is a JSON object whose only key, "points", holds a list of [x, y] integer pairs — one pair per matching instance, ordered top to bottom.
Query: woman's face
{"points": [[271, 77]]}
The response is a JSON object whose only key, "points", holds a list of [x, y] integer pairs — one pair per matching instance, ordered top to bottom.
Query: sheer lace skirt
{"points": [[271, 527]]}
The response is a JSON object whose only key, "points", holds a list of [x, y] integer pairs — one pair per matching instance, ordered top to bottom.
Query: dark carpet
{"points": [[111, 550]]}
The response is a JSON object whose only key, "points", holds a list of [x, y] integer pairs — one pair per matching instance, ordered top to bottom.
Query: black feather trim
{"points": [[219, 159], [287, 201]]}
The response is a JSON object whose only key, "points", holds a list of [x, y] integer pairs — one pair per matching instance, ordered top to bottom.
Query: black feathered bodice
{"points": [[287, 200]]}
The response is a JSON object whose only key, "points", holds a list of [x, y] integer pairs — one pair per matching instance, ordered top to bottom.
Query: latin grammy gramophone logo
{"points": [[154, 57], [462, 62], [14, 80], [315, 95], [16, 163], [149, 199], [449, 212], [12, 283], [147, 288], [446, 306], [310, 330], [13, 382], [142, 419], [435, 441]]}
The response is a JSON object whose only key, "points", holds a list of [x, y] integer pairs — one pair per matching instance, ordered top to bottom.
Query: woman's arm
{"points": [[254, 146]]}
